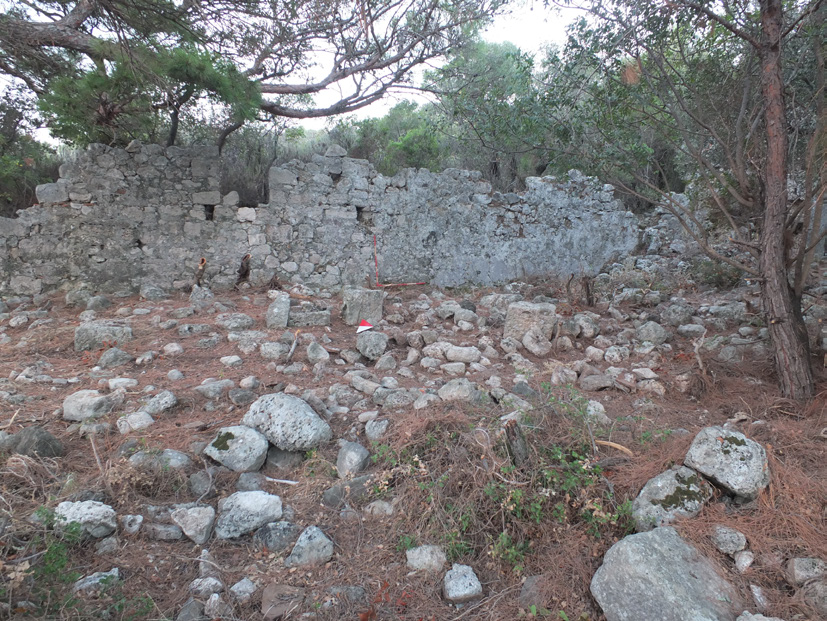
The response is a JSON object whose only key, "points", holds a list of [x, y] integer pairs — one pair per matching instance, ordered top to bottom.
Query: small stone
{"points": [[652, 332], [371, 344], [173, 349], [316, 353], [114, 357], [231, 361], [593, 383], [164, 401], [375, 429], [353, 458], [244, 512], [95, 518], [197, 522], [131, 524], [163, 532], [277, 536], [728, 540], [108, 545], [312, 548], [430, 558], [744, 560], [802, 570], [97, 582], [461, 585], [204, 587], [243, 590]]}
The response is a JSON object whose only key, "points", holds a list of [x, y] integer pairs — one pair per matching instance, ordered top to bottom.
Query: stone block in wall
{"points": [[335, 150], [202, 167], [70, 171], [282, 176], [57, 192], [206, 198], [231, 199], [246, 214], [256, 239], [26, 285]]}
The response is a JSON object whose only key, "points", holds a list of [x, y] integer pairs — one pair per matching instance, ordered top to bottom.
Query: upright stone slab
{"points": [[360, 304], [279, 311], [657, 575]]}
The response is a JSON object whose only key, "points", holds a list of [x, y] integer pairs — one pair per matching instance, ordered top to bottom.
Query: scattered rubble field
{"points": [[603, 399]]}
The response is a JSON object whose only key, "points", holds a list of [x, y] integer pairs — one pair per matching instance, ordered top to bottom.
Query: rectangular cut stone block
{"points": [[206, 198], [303, 318]]}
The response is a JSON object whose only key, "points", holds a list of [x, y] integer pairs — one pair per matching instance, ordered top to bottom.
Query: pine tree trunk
{"points": [[781, 305]]}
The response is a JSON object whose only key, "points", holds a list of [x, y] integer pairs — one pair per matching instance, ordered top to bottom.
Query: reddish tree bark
{"points": [[782, 306]]}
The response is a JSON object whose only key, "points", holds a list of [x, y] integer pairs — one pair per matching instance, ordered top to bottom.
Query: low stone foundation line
{"points": [[120, 219]]}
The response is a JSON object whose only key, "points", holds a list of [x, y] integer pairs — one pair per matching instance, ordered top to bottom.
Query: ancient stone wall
{"points": [[119, 219]]}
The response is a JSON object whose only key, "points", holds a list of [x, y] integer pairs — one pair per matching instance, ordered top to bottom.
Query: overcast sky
{"points": [[529, 25]]}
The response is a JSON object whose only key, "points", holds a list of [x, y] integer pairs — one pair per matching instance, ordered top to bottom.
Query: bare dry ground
{"points": [[444, 468]]}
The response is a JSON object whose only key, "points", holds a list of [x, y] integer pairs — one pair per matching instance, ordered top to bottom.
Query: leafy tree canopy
{"points": [[118, 63]]}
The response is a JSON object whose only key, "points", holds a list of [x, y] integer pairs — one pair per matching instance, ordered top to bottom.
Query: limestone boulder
{"points": [[524, 316], [235, 321], [652, 332], [93, 334], [372, 344], [160, 403], [86, 404], [288, 422], [239, 448], [352, 458], [731, 460], [677, 493], [244, 512], [95, 518], [196, 522], [312, 548], [430, 558], [657, 575], [461, 585]]}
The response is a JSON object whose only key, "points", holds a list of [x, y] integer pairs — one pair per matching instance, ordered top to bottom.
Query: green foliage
{"points": [[124, 99], [406, 137], [24, 162], [715, 274], [406, 542], [456, 546], [509, 551]]}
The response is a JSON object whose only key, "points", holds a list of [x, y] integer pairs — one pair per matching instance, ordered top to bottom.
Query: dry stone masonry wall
{"points": [[120, 219]]}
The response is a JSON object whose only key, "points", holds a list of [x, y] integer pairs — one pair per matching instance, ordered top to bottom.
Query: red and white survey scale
{"points": [[363, 326]]}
